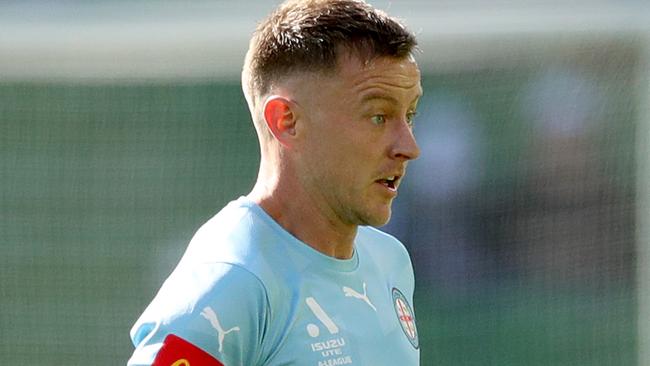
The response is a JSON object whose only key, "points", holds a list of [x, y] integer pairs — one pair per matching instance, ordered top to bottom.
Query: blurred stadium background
{"points": [[123, 128]]}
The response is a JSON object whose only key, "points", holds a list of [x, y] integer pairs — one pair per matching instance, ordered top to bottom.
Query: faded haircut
{"points": [[310, 35]]}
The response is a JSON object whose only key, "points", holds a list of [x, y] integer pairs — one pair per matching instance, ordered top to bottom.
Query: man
{"points": [[293, 273]]}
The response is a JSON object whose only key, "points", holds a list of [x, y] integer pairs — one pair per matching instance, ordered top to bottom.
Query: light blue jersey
{"points": [[249, 293]]}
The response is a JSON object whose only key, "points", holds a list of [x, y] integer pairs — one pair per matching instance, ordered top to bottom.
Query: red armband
{"points": [[176, 351]]}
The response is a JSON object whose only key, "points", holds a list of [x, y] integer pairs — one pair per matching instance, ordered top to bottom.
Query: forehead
{"points": [[389, 73]]}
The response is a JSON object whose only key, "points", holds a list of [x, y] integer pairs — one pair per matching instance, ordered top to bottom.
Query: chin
{"points": [[377, 218]]}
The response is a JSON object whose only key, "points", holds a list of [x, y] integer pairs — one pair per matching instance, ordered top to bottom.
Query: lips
{"points": [[391, 182]]}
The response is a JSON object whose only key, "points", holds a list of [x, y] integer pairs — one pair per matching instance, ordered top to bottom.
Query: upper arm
{"points": [[220, 308]]}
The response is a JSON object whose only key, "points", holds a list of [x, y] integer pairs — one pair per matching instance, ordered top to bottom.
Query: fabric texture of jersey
{"points": [[249, 293]]}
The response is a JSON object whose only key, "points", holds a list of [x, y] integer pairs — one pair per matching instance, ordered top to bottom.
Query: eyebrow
{"points": [[378, 96], [383, 96]]}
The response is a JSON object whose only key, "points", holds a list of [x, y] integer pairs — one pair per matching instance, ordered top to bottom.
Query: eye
{"points": [[410, 118], [378, 119]]}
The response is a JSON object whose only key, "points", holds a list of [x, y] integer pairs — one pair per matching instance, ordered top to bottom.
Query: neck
{"points": [[300, 213]]}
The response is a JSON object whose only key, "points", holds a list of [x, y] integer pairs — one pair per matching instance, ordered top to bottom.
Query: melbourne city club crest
{"points": [[406, 317]]}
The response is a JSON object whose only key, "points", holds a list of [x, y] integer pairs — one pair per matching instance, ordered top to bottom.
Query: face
{"points": [[356, 136]]}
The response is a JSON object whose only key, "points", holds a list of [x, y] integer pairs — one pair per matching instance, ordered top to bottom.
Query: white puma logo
{"points": [[351, 293], [209, 314]]}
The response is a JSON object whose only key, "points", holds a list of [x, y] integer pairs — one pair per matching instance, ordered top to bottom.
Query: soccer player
{"points": [[294, 273]]}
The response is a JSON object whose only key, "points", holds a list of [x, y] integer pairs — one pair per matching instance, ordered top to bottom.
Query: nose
{"points": [[405, 147]]}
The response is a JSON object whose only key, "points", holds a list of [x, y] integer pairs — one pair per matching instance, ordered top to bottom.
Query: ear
{"points": [[280, 118]]}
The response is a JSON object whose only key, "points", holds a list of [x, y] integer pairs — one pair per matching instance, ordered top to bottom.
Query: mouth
{"points": [[390, 182]]}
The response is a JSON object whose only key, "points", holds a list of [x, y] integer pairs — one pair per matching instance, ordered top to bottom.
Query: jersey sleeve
{"points": [[213, 313]]}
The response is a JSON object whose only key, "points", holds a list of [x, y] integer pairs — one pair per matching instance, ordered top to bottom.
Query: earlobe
{"points": [[280, 118]]}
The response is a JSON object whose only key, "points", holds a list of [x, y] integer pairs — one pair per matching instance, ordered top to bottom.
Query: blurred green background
{"points": [[102, 188], [521, 215]]}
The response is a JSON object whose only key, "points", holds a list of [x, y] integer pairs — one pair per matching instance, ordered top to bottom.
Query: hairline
{"points": [[365, 57]]}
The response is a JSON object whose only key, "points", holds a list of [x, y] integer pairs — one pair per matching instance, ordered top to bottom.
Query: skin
{"points": [[336, 136]]}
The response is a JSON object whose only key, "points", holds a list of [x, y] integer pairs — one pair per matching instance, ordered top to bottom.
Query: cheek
{"points": [[343, 150]]}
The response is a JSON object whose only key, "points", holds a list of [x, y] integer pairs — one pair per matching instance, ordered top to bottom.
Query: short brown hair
{"points": [[308, 35]]}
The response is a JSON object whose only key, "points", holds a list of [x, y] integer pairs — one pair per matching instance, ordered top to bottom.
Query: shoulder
{"points": [[237, 235], [223, 237], [382, 243], [387, 255], [224, 281], [190, 286]]}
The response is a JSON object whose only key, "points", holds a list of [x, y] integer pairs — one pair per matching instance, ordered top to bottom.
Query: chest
{"points": [[349, 321]]}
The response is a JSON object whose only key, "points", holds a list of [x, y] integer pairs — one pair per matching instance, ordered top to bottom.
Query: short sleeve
{"points": [[220, 308]]}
